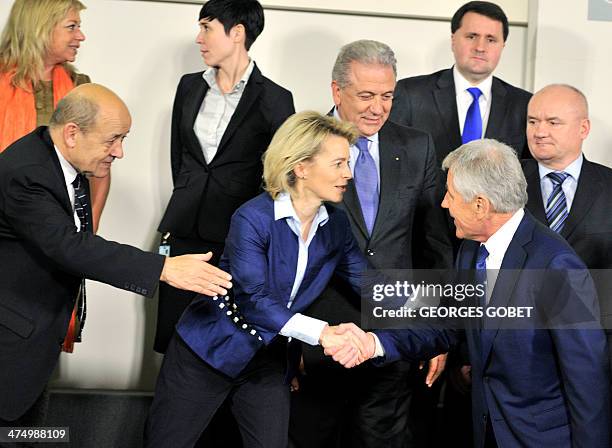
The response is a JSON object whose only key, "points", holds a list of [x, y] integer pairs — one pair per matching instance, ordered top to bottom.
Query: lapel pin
{"points": [[397, 159]]}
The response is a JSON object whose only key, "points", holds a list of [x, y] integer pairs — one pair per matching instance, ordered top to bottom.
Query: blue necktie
{"points": [[472, 128], [366, 183], [556, 206], [480, 273], [480, 278]]}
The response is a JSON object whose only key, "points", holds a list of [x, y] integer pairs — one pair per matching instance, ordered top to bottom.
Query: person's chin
{"points": [[102, 171]]}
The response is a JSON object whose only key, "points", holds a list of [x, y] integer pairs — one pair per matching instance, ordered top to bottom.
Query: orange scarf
{"points": [[17, 108]]}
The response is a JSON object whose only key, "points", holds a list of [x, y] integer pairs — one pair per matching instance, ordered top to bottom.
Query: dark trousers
{"points": [[189, 392], [362, 407], [36, 416], [223, 430]]}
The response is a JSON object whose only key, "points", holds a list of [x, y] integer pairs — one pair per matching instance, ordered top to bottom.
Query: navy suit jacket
{"points": [[261, 255], [539, 387]]}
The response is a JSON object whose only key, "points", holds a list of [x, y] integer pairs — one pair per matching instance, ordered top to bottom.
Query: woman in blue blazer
{"points": [[282, 249]]}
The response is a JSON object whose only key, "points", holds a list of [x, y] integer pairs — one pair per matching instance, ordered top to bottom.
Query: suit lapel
{"points": [[251, 92], [446, 103], [499, 105], [191, 108], [389, 178], [589, 188], [535, 203], [353, 208], [507, 277]]}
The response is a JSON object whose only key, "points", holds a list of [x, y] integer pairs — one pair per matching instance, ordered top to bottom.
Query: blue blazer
{"points": [[261, 255], [539, 387]]}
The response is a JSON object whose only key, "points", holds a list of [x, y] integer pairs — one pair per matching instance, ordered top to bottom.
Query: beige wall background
{"points": [[141, 48], [569, 48]]}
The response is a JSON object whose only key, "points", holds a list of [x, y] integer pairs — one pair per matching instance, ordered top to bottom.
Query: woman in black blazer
{"points": [[222, 121]]}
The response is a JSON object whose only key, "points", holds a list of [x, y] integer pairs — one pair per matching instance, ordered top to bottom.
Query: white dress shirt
{"points": [[465, 99], [216, 111], [70, 174], [569, 185], [497, 246], [304, 328]]}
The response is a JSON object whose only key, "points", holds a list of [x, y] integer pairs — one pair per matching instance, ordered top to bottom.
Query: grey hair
{"points": [[364, 51], [75, 108], [491, 169]]}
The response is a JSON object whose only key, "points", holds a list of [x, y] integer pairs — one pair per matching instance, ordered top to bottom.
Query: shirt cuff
{"points": [[306, 329], [379, 351]]}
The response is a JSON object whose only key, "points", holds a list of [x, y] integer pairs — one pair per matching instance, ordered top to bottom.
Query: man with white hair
{"points": [[538, 385]]}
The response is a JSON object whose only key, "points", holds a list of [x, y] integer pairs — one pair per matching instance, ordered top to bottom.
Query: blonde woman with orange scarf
{"points": [[40, 39]]}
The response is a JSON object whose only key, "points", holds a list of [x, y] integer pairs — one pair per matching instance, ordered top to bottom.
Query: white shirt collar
{"points": [[210, 76], [462, 84], [573, 169], [70, 173], [283, 208], [498, 243]]}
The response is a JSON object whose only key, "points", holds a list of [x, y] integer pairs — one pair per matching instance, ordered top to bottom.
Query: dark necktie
{"points": [[472, 128], [366, 183], [556, 206], [480, 272], [480, 278], [79, 313]]}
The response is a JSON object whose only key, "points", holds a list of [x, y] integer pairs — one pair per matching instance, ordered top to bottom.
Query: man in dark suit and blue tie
{"points": [[467, 102], [566, 191], [393, 208], [537, 385]]}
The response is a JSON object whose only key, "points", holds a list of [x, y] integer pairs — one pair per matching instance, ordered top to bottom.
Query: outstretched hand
{"points": [[193, 273]]}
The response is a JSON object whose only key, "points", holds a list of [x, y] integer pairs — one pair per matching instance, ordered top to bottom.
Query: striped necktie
{"points": [[556, 206], [81, 207]]}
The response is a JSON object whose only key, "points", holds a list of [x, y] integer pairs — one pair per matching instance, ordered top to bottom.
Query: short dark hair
{"points": [[488, 9], [248, 13]]}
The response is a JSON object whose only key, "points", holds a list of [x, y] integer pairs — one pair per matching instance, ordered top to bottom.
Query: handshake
{"points": [[347, 344]]}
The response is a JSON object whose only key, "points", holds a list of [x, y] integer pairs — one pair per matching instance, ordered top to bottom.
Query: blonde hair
{"points": [[26, 38], [297, 140]]}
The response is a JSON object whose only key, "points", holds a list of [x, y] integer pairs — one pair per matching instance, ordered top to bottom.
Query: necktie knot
{"points": [[475, 92], [362, 144], [558, 177], [78, 181], [481, 258]]}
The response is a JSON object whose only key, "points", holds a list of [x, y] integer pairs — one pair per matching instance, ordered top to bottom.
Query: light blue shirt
{"points": [[373, 148], [569, 186], [301, 327]]}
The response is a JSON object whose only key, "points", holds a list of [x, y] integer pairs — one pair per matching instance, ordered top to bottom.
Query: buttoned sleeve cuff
{"points": [[306, 329], [379, 351]]}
